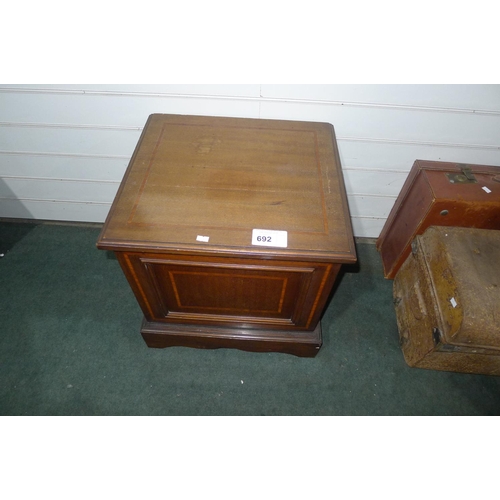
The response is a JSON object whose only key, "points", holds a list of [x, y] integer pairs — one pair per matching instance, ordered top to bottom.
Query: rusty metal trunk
{"points": [[447, 299]]}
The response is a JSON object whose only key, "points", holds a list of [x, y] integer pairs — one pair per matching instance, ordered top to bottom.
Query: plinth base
{"points": [[299, 343]]}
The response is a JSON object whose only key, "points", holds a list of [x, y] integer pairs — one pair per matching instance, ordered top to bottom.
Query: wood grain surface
{"points": [[224, 177]]}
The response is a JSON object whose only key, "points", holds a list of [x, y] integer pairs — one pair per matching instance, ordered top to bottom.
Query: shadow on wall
{"points": [[15, 218]]}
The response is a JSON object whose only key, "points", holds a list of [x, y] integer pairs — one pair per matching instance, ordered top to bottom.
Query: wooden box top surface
{"points": [[221, 178]]}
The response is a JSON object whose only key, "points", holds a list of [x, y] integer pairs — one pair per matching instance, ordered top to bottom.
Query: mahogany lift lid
{"points": [[221, 178]]}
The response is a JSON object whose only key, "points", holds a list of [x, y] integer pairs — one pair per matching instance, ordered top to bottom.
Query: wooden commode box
{"points": [[231, 231]]}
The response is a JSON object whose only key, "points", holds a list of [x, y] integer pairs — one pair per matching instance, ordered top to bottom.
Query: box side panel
{"points": [[411, 211], [416, 313]]}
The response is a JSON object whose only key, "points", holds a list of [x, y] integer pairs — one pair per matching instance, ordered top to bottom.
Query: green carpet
{"points": [[70, 345]]}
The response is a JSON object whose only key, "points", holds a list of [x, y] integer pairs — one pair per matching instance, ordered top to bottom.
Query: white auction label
{"points": [[202, 238], [268, 238]]}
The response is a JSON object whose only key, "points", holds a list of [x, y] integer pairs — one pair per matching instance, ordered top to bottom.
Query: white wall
{"points": [[65, 148]]}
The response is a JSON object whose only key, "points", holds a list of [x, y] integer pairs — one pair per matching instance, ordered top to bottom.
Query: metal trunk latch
{"points": [[465, 177], [436, 336]]}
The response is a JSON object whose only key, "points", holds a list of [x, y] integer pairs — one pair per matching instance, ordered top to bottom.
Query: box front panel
{"points": [[227, 291]]}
